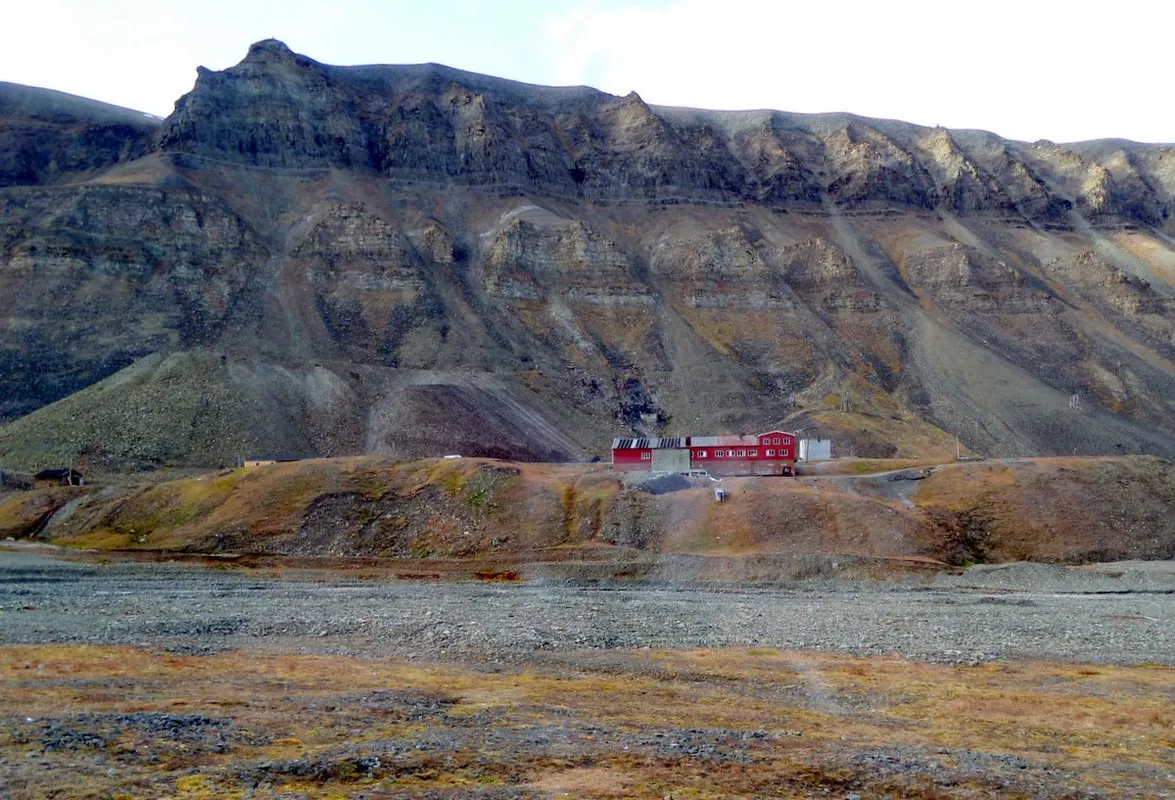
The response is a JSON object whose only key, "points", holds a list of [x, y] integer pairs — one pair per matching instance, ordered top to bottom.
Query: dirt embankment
{"points": [[1057, 510], [1064, 510], [25, 514]]}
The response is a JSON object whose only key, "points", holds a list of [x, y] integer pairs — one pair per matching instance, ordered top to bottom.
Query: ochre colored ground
{"points": [[1066, 510], [123, 722]]}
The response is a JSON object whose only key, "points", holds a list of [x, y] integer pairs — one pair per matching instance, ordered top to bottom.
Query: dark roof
{"points": [[654, 443], [280, 457], [56, 474]]}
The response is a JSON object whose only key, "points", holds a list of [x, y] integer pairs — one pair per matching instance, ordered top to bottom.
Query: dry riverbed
{"points": [[162, 680]]}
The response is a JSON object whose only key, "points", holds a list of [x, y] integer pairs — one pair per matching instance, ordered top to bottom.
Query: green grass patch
{"points": [[450, 477], [702, 540]]}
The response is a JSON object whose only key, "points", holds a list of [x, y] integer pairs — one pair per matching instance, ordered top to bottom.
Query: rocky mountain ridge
{"points": [[415, 259]]}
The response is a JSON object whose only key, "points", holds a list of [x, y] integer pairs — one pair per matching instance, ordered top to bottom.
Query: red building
{"points": [[772, 453]]}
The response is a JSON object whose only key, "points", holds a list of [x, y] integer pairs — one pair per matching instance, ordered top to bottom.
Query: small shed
{"points": [[815, 449], [266, 460], [60, 477]]}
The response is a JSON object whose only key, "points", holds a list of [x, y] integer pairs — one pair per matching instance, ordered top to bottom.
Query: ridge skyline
{"points": [[749, 112]]}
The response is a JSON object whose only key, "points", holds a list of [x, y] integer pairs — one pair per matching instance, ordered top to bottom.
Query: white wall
{"points": [[815, 449]]}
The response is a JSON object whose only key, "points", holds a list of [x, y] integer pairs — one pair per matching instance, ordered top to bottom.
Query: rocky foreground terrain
{"points": [[412, 260], [166, 680]]}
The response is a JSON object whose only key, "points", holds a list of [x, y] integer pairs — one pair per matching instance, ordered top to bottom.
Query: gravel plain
{"points": [[984, 616]]}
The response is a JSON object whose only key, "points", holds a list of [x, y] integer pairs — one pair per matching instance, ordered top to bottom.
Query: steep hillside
{"points": [[51, 137], [418, 260], [210, 409], [1057, 510]]}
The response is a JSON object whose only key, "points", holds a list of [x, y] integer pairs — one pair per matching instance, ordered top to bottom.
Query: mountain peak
{"points": [[271, 47]]}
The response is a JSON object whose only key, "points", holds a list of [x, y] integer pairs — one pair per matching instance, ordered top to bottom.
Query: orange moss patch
{"points": [[589, 781]]}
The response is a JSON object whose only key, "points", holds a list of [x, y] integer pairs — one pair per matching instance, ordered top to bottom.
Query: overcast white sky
{"points": [[1027, 70]]}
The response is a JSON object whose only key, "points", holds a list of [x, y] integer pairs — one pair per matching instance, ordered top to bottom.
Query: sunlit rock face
{"points": [[410, 259]]}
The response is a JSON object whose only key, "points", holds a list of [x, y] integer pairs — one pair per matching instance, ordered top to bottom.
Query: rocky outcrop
{"points": [[273, 109], [783, 161], [870, 168], [964, 186], [1116, 188], [1021, 191], [526, 260], [720, 269], [826, 278], [963, 278], [1106, 284], [369, 285]]}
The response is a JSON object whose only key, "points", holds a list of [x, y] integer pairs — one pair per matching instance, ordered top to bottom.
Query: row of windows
{"points": [[776, 440], [725, 454], [737, 454]]}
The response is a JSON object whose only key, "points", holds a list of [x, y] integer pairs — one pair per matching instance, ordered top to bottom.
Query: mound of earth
{"points": [[1063, 511]]}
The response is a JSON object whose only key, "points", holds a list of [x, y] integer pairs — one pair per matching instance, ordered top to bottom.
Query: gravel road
{"points": [[195, 609]]}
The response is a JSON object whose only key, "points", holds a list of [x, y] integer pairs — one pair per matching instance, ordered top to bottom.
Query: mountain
{"points": [[412, 260]]}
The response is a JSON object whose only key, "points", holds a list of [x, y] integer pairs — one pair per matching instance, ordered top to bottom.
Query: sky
{"points": [[1025, 69]]}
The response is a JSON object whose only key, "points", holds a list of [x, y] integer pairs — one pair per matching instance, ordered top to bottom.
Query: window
{"points": [[775, 440], [787, 440], [742, 453], [770, 453], [701, 454], [754, 454], [646, 455]]}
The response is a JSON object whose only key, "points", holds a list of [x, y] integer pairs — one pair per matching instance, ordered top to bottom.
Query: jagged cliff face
{"points": [[412, 260]]}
